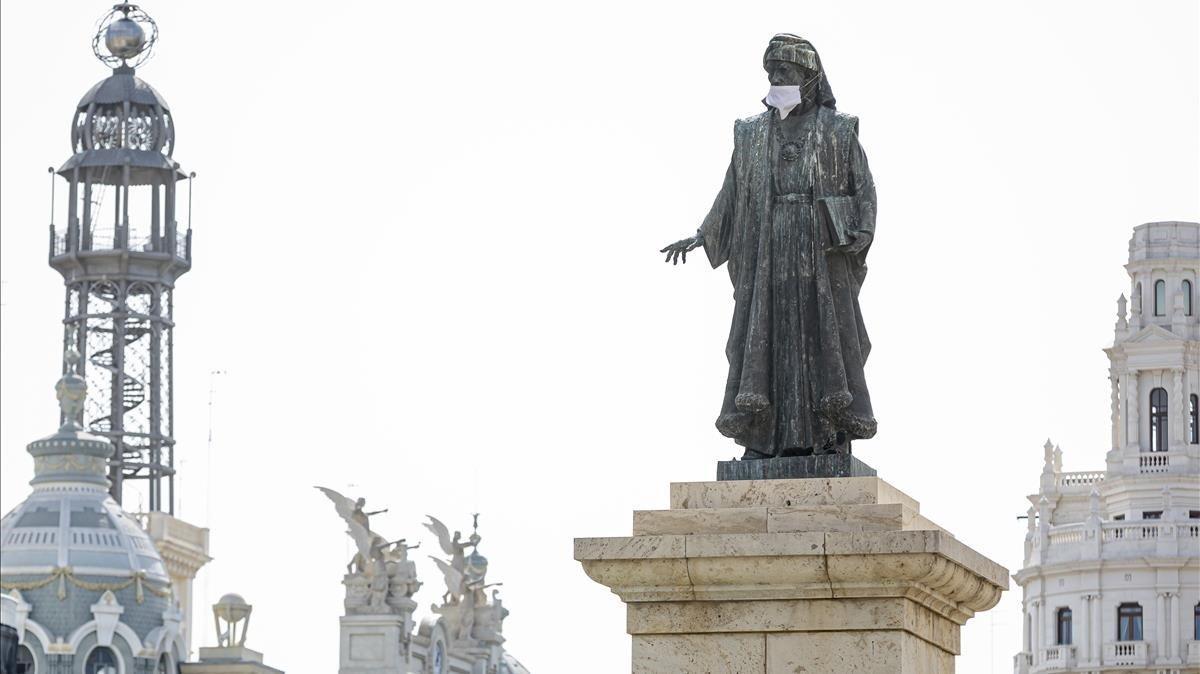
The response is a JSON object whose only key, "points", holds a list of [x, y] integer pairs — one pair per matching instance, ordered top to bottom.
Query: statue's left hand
{"points": [[858, 245]]}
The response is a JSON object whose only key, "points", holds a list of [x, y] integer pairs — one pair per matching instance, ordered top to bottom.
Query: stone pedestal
{"points": [[822, 576], [373, 644], [228, 660]]}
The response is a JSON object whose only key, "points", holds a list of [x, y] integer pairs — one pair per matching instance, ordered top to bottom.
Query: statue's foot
{"points": [[754, 454]]}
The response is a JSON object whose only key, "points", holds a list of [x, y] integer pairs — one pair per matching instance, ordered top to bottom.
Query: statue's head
{"points": [[791, 60], [360, 502]]}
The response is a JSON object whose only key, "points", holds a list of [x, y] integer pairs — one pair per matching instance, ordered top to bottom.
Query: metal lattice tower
{"points": [[120, 256]]}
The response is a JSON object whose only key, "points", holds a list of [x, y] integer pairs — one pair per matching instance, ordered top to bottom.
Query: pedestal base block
{"points": [[794, 467], [820, 576], [372, 644], [228, 660]]}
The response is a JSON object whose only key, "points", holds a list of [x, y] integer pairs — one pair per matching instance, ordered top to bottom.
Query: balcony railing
{"points": [[107, 239], [1154, 462], [1079, 479], [1116, 540], [1127, 653], [1193, 653], [1058, 657], [1022, 662]]}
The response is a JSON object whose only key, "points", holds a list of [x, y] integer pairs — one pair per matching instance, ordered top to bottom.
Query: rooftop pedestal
{"points": [[824, 575]]}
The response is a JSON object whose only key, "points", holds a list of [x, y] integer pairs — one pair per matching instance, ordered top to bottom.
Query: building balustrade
{"points": [[1175, 461], [1082, 480], [1069, 542], [1193, 653], [1127, 654], [1057, 657], [1022, 663]]}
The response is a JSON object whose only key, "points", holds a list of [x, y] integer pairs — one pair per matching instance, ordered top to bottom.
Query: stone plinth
{"points": [[822, 576], [373, 644], [228, 660]]}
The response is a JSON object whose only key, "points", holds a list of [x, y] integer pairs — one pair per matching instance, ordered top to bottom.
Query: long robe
{"points": [[797, 344]]}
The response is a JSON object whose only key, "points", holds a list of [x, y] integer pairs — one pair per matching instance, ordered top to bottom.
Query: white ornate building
{"points": [[1111, 577]]}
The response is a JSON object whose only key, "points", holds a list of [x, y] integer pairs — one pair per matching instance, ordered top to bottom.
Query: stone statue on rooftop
{"points": [[793, 223], [370, 546], [454, 569]]}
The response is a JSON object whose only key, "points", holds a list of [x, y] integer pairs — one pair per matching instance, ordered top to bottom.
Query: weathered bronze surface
{"points": [[793, 223], [794, 467]]}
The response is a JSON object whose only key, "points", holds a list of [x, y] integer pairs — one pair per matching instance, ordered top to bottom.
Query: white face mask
{"points": [[784, 99]]}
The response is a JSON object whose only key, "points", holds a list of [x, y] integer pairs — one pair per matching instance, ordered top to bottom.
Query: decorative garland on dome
{"points": [[64, 574]]}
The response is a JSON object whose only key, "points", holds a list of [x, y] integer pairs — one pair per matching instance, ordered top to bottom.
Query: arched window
{"points": [[1187, 297], [1160, 298], [1194, 419], [1158, 420], [1129, 622], [1062, 630], [101, 661], [25, 662]]}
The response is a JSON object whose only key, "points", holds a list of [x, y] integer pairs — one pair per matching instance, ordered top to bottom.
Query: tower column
{"points": [[1132, 401], [1115, 407], [1178, 408], [1160, 623], [1173, 634], [1085, 640]]}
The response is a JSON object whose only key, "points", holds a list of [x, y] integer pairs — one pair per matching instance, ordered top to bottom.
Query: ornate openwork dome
{"points": [[122, 111]]}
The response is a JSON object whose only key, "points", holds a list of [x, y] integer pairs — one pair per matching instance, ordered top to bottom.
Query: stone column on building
{"points": [[1115, 405], [1179, 415], [1133, 438], [820, 575], [1160, 624], [1097, 628], [1026, 631], [1173, 633], [1084, 641]]}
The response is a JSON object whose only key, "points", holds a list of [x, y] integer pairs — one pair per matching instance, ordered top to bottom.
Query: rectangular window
{"points": [[1194, 419], [1158, 420], [1152, 515], [1195, 515], [39, 516], [1118, 518], [1129, 622], [1062, 631]]}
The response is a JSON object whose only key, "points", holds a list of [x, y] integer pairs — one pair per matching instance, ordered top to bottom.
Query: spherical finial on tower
{"points": [[128, 35], [124, 38]]}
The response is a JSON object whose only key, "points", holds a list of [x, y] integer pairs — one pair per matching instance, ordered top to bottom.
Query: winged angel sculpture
{"points": [[369, 544], [455, 570]]}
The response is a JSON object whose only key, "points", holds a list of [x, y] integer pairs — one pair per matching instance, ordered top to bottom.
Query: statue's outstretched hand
{"points": [[679, 250]]}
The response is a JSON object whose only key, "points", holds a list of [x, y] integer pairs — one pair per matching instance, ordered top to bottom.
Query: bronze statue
{"points": [[794, 221]]}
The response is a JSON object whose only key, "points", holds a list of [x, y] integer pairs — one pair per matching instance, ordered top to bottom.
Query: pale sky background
{"points": [[425, 256]]}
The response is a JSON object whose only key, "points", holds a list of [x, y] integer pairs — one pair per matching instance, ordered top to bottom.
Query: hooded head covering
{"points": [[795, 49]]}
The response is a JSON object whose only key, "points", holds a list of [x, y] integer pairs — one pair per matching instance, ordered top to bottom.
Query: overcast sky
{"points": [[426, 259]]}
